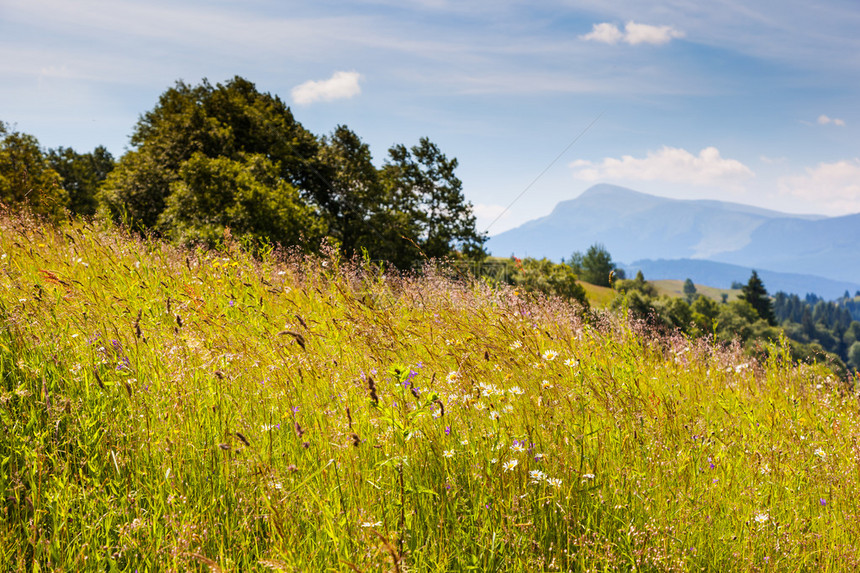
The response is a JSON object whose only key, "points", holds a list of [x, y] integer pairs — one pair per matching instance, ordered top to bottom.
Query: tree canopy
{"points": [[27, 177], [286, 182], [596, 266]]}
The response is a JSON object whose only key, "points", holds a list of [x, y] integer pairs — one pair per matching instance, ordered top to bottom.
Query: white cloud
{"points": [[605, 33], [633, 34], [341, 85], [824, 120], [669, 164], [835, 186]]}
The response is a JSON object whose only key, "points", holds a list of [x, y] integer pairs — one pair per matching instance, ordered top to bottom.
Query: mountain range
{"points": [[697, 239]]}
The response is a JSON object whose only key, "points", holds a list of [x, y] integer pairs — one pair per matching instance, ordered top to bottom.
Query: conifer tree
{"points": [[755, 294]]}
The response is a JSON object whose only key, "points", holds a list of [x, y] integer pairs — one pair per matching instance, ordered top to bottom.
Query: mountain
{"points": [[635, 226], [722, 275]]}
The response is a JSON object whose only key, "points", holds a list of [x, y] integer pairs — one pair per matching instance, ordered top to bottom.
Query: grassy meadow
{"points": [[675, 288], [172, 410]]}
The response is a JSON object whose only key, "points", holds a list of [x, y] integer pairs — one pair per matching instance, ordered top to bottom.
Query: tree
{"points": [[232, 121], [81, 175], [26, 177], [421, 184], [247, 196], [360, 214], [595, 266], [542, 275], [638, 283], [689, 291], [755, 294], [854, 355]]}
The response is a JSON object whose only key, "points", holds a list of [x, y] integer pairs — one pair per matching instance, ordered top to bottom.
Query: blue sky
{"points": [[750, 101]]}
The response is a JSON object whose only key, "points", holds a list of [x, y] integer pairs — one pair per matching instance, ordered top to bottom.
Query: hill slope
{"points": [[169, 410]]}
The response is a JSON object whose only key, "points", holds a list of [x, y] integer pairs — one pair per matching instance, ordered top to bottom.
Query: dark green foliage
{"points": [[229, 121], [81, 174], [26, 176], [288, 181], [421, 185], [248, 197], [357, 210], [595, 266], [542, 275], [637, 283], [689, 290], [755, 294], [831, 325]]}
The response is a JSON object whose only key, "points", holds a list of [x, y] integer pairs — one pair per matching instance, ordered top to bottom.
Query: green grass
{"points": [[675, 288], [598, 296], [179, 410]]}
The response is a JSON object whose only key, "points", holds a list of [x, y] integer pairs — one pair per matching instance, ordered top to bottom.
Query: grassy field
{"points": [[675, 288], [169, 410]]}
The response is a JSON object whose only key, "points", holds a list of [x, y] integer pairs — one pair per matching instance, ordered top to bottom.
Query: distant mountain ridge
{"points": [[636, 226]]}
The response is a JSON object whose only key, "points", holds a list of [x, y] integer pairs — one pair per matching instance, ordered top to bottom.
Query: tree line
{"points": [[208, 158]]}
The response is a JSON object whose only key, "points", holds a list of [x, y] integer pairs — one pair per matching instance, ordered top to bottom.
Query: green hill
{"points": [[164, 409]]}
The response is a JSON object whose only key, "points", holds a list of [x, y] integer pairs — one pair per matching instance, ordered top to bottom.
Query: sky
{"points": [[749, 101]]}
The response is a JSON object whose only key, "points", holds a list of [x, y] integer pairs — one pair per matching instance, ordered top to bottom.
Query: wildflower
{"points": [[515, 345], [550, 355], [571, 363], [453, 376], [545, 384], [516, 390], [508, 409], [494, 415], [447, 430], [464, 442], [518, 447], [448, 453], [820, 453], [539, 457], [494, 461], [509, 465], [765, 469], [536, 476], [587, 477], [554, 482], [822, 501], [761, 517], [369, 524]]}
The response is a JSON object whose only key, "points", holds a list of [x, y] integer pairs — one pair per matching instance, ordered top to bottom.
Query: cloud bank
{"points": [[633, 34], [341, 85], [669, 164], [835, 185]]}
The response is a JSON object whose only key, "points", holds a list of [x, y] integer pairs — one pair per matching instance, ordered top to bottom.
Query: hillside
{"points": [[818, 252], [722, 275], [204, 410]]}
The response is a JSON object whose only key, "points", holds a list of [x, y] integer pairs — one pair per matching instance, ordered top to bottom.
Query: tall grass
{"points": [[164, 409]]}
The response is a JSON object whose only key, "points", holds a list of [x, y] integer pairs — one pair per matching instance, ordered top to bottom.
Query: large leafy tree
{"points": [[231, 121], [81, 175], [26, 176], [248, 196], [359, 213], [436, 220]]}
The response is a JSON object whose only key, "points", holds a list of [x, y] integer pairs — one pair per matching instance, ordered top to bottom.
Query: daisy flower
{"points": [[509, 465]]}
